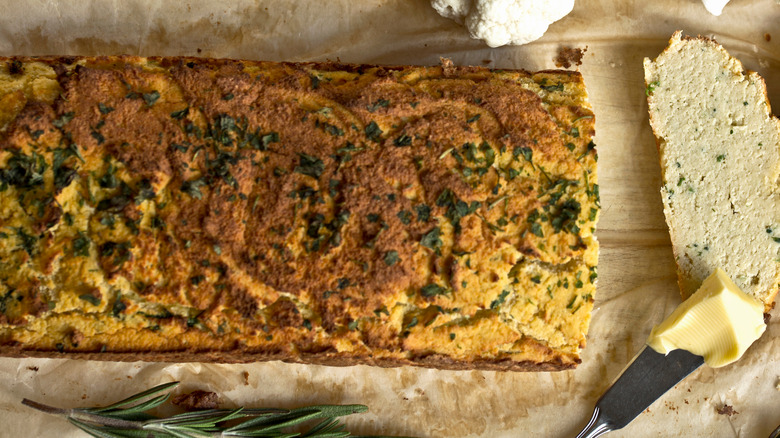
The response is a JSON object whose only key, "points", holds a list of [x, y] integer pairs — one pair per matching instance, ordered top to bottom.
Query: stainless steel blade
{"points": [[645, 379]]}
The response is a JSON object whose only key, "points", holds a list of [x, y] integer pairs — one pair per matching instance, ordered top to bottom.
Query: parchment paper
{"points": [[636, 287]]}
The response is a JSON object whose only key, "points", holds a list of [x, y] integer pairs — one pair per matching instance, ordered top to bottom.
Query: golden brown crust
{"points": [[307, 212], [433, 361]]}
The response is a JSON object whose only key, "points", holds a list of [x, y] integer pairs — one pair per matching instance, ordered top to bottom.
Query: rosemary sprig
{"points": [[129, 418]]}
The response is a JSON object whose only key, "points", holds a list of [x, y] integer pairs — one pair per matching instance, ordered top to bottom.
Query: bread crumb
{"points": [[767, 37], [568, 56], [196, 400], [726, 410]]}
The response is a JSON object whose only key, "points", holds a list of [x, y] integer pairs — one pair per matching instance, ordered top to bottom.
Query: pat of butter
{"points": [[718, 322]]}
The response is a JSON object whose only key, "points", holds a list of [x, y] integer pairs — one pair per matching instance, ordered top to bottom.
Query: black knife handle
{"points": [[645, 379]]}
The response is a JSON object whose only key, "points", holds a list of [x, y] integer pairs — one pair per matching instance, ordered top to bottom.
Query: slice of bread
{"points": [[720, 158]]}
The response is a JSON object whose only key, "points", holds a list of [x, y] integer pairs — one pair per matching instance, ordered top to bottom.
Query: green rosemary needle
{"points": [[130, 418]]}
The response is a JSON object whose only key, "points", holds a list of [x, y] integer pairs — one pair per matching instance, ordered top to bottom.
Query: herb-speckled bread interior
{"points": [[720, 158]]}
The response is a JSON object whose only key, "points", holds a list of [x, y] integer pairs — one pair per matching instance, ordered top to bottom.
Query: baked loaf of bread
{"points": [[720, 160], [216, 210]]}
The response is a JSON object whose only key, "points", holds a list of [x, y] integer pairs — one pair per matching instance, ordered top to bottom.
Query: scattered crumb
{"points": [[767, 37], [199, 50], [568, 56], [487, 61], [447, 66], [33, 369], [245, 374], [83, 396], [197, 400], [686, 401], [726, 410]]}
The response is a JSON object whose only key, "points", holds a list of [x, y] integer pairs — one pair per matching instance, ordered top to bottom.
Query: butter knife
{"points": [[641, 383]]}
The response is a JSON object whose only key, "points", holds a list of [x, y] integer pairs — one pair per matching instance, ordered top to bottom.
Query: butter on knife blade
{"points": [[718, 322]]}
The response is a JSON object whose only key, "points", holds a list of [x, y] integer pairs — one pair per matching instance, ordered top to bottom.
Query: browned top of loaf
{"points": [[276, 209]]}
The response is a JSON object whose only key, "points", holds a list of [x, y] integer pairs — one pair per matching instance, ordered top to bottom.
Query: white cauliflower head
{"points": [[715, 7], [454, 9], [501, 22]]}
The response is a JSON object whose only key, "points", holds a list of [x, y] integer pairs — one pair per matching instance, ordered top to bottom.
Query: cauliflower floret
{"points": [[715, 7], [453, 9], [500, 22]]}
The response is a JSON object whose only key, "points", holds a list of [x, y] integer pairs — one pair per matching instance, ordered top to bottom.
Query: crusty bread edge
{"points": [[677, 36], [325, 66], [434, 361]]}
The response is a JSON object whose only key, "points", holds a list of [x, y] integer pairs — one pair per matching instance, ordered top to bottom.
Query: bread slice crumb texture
{"points": [[720, 148]]}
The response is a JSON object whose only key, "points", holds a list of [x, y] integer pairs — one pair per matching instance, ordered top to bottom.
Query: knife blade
{"points": [[642, 382]]}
